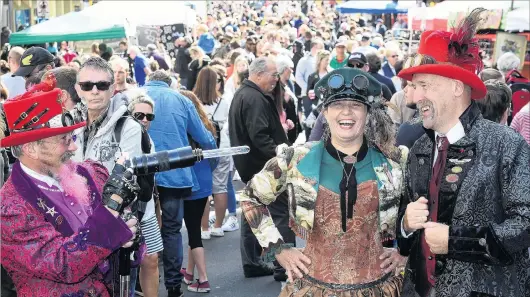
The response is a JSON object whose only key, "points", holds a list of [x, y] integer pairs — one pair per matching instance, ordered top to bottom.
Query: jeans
{"points": [[232, 204], [172, 207], [134, 280]]}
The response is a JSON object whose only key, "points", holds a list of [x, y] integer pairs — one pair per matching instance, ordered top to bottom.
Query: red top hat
{"points": [[456, 54], [37, 114]]}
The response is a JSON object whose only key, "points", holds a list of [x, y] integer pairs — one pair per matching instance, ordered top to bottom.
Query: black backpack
{"points": [[146, 182]]}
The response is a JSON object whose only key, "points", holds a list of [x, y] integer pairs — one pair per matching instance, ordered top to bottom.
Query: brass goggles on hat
{"points": [[339, 89]]}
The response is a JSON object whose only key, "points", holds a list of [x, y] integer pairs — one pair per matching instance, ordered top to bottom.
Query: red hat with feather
{"points": [[456, 55], [37, 114]]}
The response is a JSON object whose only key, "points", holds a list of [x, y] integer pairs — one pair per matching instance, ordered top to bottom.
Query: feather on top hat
{"points": [[455, 55], [37, 114]]}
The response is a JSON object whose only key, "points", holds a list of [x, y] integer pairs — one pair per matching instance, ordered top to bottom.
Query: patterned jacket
{"points": [[297, 170], [485, 199], [42, 253]]}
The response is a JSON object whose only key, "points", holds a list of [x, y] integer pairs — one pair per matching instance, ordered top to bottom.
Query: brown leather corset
{"points": [[350, 257]]}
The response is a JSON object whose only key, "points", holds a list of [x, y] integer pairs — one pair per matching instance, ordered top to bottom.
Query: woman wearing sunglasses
{"points": [[141, 108], [344, 193]]}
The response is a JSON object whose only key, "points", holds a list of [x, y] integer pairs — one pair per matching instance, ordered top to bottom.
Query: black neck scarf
{"points": [[351, 186]]}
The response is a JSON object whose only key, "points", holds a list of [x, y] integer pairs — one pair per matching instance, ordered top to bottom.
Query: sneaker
{"points": [[211, 218], [231, 224], [217, 232], [205, 235], [188, 278], [199, 287], [175, 292]]}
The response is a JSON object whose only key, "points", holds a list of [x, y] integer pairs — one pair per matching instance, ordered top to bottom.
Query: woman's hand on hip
{"points": [[392, 260], [294, 263]]}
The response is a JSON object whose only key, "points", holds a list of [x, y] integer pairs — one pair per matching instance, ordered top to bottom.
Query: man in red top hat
{"points": [[465, 217], [57, 228]]}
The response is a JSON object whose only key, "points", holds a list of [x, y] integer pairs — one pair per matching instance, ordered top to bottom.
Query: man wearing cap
{"points": [[380, 27], [224, 46], [366, 46], [152, 52], [340, 59], [358, 60], [33, 61], [465, 215], [59, 219]]}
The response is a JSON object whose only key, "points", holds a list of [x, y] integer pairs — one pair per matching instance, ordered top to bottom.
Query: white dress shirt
{"points": [[455, 134], [50, 181]]}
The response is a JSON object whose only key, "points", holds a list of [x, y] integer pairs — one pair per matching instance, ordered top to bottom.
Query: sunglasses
{"points": [[356, 65], [100, 85], [140, 116]]}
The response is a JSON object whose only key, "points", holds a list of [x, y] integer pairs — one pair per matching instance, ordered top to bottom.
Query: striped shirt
{"points": [[521, 122]]}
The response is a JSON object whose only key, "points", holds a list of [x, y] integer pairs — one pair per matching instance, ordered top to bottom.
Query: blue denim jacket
{"points": [[176, 117]]}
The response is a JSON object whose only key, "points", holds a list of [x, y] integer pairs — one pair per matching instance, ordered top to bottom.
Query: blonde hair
{"points": [[202, 28], [195, 50], [321, 55], [241, 58], [119, 62], [137, 96]]}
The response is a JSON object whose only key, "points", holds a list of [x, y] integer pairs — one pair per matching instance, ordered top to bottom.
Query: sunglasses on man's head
{"points": [[100, 85], [140, 116]]}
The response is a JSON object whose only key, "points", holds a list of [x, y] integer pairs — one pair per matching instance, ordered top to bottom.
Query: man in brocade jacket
{"points": [[464, 220], [57, 228]]}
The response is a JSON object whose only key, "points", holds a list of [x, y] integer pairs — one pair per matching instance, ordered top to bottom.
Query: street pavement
{"points": [[223, 262]]}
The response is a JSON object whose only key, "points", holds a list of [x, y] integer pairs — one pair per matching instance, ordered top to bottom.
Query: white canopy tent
{"points": [[147, 13], [107, 20], [518, 20]]}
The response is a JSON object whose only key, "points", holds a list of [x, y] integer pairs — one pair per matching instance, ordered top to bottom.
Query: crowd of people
{"points": [[399, 170]]}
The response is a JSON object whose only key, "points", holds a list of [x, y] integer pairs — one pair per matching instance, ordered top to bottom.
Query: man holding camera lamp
{"points": [[59, 219]]}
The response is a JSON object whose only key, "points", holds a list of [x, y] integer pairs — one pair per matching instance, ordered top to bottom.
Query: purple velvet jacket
{"points": [[42, 253]]}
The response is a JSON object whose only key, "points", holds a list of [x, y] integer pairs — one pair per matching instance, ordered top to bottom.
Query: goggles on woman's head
{"points": [[339, 88]]}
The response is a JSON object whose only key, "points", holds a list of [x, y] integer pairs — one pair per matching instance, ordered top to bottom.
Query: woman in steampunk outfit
{"points": [[343, 197]]}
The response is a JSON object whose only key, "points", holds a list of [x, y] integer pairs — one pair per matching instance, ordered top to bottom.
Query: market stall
{"points": [[444, 14], [106, 20], [518, 20], [74, 26]]}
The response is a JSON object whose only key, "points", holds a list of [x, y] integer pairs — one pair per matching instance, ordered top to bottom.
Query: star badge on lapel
{"points": [[51, 211]]}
